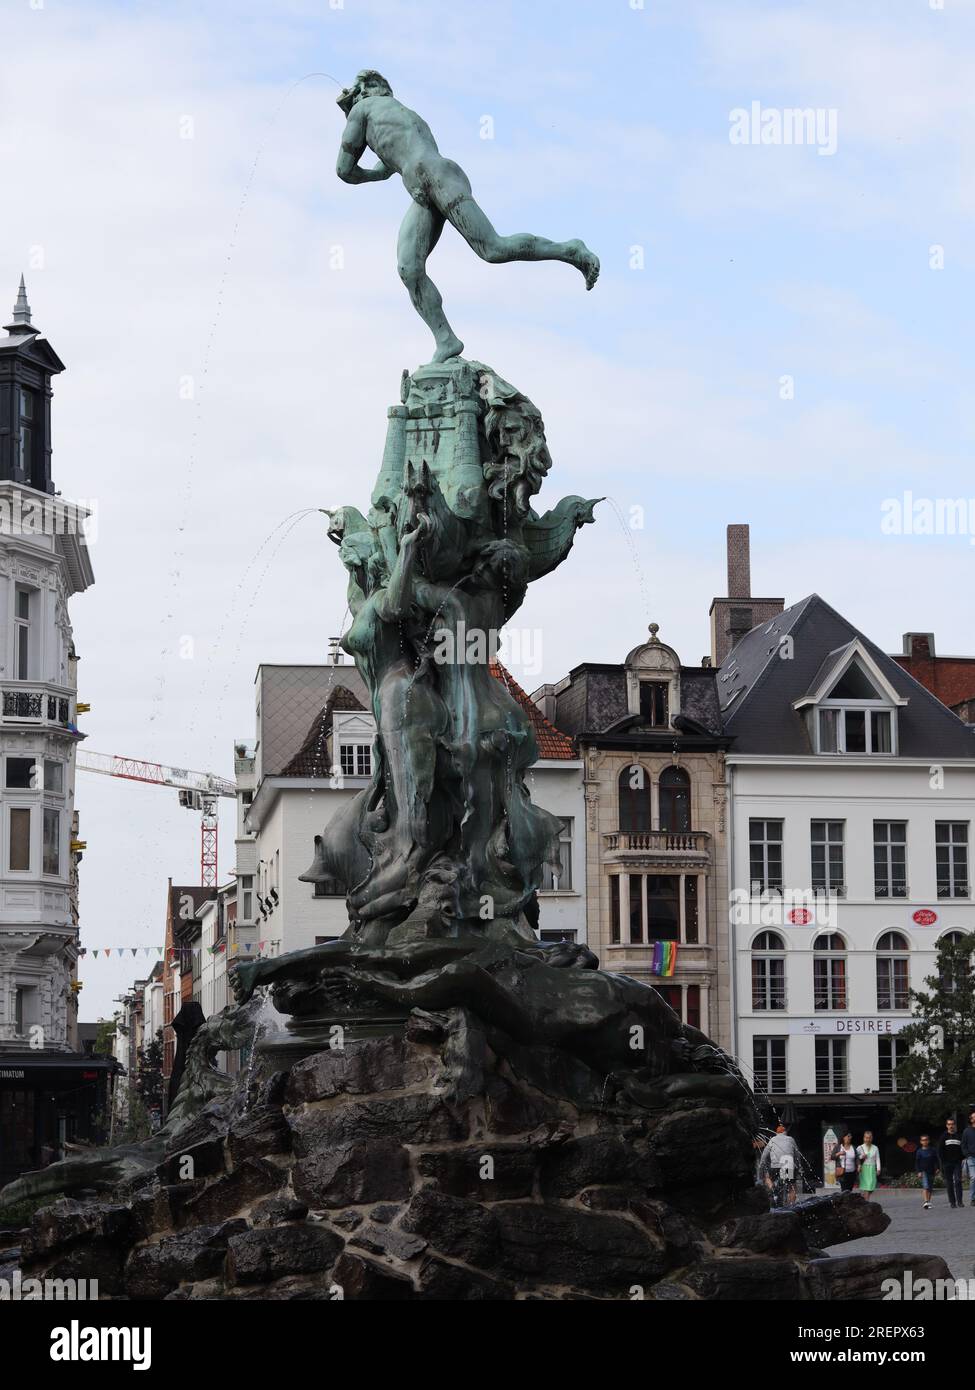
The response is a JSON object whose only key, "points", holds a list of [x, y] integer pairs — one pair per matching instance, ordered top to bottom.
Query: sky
{"points": [[780, 334]]}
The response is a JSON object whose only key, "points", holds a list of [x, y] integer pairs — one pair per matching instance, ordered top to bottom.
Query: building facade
{"points": [[649, 733], [313, 752], [852, 791], [49, 1093]]}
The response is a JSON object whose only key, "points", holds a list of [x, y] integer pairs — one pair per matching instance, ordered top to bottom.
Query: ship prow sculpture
{"points": [[455, 1110]]}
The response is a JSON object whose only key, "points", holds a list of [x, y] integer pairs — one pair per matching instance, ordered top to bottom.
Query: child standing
{"points": [[926, 1163]]}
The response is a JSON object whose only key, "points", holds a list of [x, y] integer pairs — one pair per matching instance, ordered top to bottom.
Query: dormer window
{"points": [[653, 682], [653, 703], [851, 707], [846, 730]]}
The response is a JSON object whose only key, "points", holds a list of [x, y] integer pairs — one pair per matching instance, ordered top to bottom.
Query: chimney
{"points": [[739, 563], [739, 611], [919, 645]]}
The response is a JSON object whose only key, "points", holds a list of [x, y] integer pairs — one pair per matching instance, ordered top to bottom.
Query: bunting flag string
{"points": [[176, 952]]}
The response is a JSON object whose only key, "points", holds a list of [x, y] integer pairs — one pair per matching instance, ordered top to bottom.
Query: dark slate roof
{"points": [[829, 663], [757, 687], [699, 696], [594, 705]]}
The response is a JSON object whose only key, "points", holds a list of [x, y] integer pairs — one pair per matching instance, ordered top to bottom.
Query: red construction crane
{"points": [[198, 791]]}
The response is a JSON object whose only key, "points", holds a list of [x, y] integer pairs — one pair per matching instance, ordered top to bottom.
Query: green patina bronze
{"points": [[441, 192], [445, 842]]}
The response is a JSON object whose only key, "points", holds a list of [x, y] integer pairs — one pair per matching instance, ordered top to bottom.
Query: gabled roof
{"points": [[32, 345], [836, 663], [762, 678], [552, 742], [312, 758]]}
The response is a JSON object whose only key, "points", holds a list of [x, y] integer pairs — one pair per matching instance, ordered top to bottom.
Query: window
{"points": [[26, 447], [22, 621], [653, 703], [855, 730], [355, 759], [20, 773], [53, 776], [633, 788], [675, 799], [19, 839], [951, 849], [765, 855], [827, 855], [890, 858], [51, 859], [552, 882], [246, 886], [329, 888], [650, 904], [636, 907], [690, 909], [663, 911], [556, 934], [893, 971], [768, 972], [829, 973], [945, 974], [671, 995], [685, 1000], [692, 1006], [25, 1009], [890, 1053], [769, 1065], [831, 1066]]}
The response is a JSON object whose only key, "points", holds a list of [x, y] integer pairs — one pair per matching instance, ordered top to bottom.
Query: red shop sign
{"points": [[799, 916], [924, 917]]}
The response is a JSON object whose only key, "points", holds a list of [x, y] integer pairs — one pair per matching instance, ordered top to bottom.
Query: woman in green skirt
{"points": [[868, 1165]]}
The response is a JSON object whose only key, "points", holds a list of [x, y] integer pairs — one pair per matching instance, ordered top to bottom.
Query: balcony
{"points": [[34, 705], [669, 846]]}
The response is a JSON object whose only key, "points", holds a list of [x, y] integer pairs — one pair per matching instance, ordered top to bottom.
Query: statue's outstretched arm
{"points": [[353, 147]]}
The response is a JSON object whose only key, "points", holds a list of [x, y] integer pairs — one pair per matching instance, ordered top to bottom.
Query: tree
{"points": [[105, 1037], [149, 1077], [937, 1077]]}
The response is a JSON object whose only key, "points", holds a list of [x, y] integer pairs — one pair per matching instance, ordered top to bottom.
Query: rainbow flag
{"points": [[664, 958]]}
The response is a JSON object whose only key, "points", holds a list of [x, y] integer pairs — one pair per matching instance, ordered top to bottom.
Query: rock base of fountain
{"points": [[454, 1164]]}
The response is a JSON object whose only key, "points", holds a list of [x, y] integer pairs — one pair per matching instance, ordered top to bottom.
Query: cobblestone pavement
{"points": [[913, 1230]]}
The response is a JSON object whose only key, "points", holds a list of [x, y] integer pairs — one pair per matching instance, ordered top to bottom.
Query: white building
{"points": [[44, 562], [313, 752], [852, 792], [212, 988], [152, 1007]]}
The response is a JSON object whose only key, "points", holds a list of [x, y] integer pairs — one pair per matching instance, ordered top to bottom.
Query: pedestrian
{"points": [[968, 1149], [950, 1157], [845, 1158], [780, 1161], [926, 1164], [868, 1165]]}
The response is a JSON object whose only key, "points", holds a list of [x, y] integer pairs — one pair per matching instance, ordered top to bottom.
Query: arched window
{"points": [[675, 799], [634, 800], [768, 971], [893, 971], [829, 973], [945, 973]]}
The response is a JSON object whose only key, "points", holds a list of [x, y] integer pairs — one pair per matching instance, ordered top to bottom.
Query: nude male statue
{"points": [[441, 192]]}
